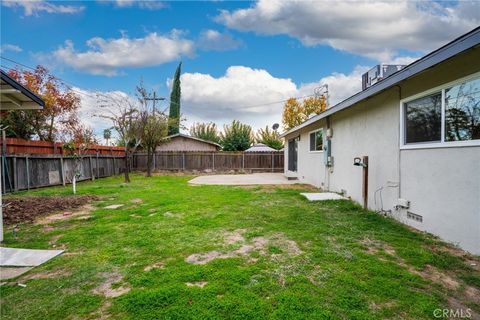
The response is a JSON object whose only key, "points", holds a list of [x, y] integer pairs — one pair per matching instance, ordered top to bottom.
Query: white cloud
{"points": [[148, 4], [33, 7], [375, 29], [215, 40], [10, 47], [106, 56], [247, 94], [92, 114]]}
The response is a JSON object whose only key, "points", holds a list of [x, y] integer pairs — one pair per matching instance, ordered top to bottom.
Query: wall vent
{"points": [[414, 216]]}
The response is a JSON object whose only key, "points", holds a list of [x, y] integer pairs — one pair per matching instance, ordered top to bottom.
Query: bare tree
{"points": [[128, 121], [155, 123]]}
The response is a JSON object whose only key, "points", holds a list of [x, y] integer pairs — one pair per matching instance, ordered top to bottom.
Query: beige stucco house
{"points": [[420, 129], [182, 142]]}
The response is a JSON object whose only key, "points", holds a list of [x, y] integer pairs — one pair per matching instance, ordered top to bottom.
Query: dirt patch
{"points": [[136, 200], [114, 206], [28, 209], [83, 213], [169, 214], [234, 236], [259, 244], [374, 246], [158, 265], [60, 273], [433, 274], [199, 284], [106, 288]]}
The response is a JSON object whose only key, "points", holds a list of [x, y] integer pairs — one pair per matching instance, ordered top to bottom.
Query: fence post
{"points": [[183, 161], [213, 161], [243, 161], [273, 162], [27, 166], [91, 168], [98, 169], [62, 170], [114, 171], [14, 174]]}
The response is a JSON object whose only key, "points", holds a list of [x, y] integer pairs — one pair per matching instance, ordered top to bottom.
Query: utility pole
{"points": [[154, 99]]}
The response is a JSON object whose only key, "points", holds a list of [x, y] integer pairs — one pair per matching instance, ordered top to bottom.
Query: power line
{"points": [[69, 84]]}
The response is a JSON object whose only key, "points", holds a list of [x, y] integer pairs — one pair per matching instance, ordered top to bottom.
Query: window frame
{"points": [[323, 140], [442, 143]]}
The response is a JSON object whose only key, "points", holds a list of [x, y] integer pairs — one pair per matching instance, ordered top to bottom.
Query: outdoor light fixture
{"points": [[357, 161]]}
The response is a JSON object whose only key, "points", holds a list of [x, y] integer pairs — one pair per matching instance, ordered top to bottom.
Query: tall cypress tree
{"points": [[174, 115]]}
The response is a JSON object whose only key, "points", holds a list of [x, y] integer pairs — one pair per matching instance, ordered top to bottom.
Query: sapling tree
{"points": [[77, 140]]}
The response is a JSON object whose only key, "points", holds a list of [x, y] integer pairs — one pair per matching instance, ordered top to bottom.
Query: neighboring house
{"points": [[420, 129], [183, 142], [260, 147]]}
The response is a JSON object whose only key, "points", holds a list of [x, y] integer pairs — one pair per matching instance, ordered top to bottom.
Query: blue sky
{"points": [[238, 57]]}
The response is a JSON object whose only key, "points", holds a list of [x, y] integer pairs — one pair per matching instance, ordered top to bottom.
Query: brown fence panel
{"points": [[18, 146], [215, 161], [20, 172]]}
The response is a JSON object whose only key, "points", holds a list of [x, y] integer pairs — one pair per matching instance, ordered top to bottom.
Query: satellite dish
{"points": [[275, 126]]}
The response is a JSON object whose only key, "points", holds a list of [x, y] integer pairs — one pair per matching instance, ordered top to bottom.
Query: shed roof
{"points": [[467, 41], [14, 96], [193, 138], [260, 147]]}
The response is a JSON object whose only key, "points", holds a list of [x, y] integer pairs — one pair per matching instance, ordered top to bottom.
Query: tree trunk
{"points": [[50, 130], [149, 163], [127, 166]]}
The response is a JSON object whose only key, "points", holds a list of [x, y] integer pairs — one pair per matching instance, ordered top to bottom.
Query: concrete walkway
{"points": [[243, 179]]}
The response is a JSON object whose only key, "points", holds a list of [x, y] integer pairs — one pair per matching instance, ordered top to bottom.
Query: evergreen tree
{"points": [[174, 115]]}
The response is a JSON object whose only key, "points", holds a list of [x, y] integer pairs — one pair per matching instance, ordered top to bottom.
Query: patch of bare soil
{"points": [[136, 200], [27, 209], [82, 214], [234, 236], [256, 244], [158, 265], [60, 273], [199, 284], [106, 289], [463, 294]]}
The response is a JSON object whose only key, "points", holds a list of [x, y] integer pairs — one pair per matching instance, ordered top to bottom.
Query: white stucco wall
{"points": [[310, 164], [442, 184]]}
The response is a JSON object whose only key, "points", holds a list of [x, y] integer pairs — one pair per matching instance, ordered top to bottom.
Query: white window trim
{"points": [[323, 137], [442, 143]]}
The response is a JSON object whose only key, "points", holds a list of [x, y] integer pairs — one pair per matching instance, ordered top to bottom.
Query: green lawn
{"points": [[264, 253]]}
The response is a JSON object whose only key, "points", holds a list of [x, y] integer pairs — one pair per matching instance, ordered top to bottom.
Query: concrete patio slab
{"points": [[242, 179], [322, 196], [14, 257], [12, 272]]}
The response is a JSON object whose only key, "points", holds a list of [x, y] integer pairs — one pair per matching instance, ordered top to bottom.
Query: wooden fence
{"points": [[21, 146], [212, 161], [22, 172]]}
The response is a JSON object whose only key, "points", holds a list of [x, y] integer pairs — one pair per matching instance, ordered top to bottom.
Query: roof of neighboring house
{"points": [[462, 43], [14, 96], [193, 138], [259, 147]]}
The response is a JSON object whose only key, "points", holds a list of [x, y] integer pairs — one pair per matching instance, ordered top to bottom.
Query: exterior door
{"points": [[292, 154]]}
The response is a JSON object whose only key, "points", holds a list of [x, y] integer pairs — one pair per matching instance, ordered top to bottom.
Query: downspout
{"points": [[399, 135], [328, 155]]}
